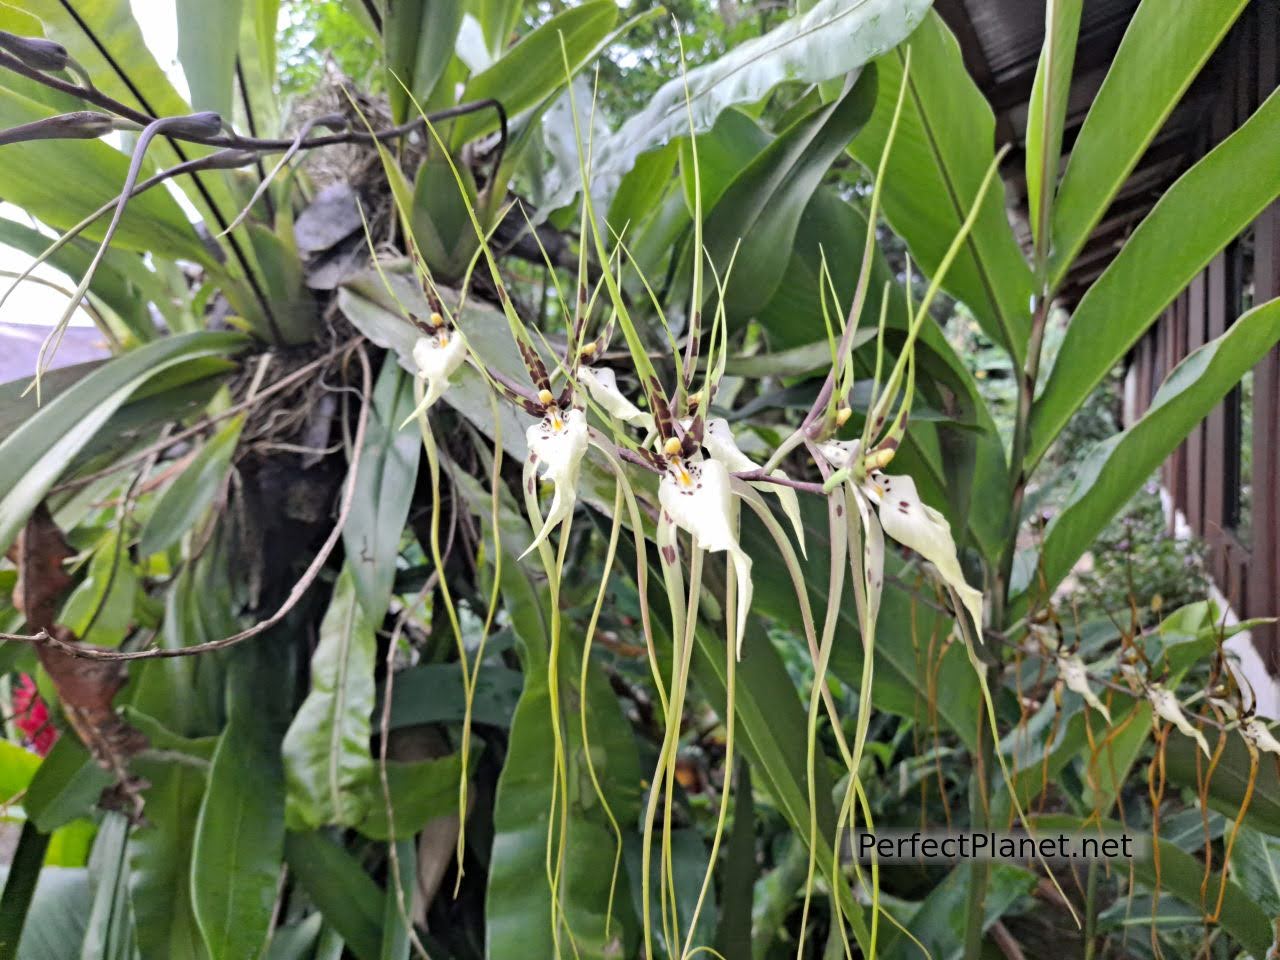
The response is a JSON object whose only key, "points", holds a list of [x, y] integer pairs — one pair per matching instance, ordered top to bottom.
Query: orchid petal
{"points": [[437, 358], [602, 385], [558, 444], [720, 445], [699, 501], [914, 524], [872, 555], [1072, 671], [1167, 708], [1259, 735]]}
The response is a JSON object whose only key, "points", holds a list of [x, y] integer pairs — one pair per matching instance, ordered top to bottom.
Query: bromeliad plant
{"points": [[383, 710]]}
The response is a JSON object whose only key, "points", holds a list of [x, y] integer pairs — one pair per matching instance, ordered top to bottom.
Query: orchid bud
{"points": [[35, 52], [207, 123], [78, 125]]}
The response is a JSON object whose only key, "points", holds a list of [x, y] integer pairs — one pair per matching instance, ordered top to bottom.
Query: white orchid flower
{"points": [[437, 356], [601, 384], [557, 444], [720, 444], [698, 498], [908, 520], [1072, 671], [1166, 706], [1258, 735]]}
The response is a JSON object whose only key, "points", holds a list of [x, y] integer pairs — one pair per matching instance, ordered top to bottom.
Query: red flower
{"points": [[31, 716]]}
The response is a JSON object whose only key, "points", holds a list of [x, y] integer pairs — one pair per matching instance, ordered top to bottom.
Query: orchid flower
{"points": [[437, 354], [601, 385], [719, 442], [557, 443], [1072, 671], [1167, 708]]}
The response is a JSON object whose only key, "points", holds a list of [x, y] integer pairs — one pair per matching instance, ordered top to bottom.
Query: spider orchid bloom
{"points": [[437, 354], [601, 384], [557, 443], [720, 444], [697, 496], [905, 518], [1072, 671], [1166, 707], [1257, 735]]}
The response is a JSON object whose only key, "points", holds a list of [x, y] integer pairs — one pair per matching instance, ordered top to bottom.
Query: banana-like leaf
{"points": [[831, 39], [207, 51], [1158, 58], [533, 69], [1048, 109], [945, 143], [1207, 206], [758, 213], [33, 457], [1118, 466], [384, 489], [192, 491], [328, 767], [239, 841], [334, 880], [109, 931]]}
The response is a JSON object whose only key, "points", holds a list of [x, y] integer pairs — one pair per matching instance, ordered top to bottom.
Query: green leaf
{"points": [[418, 37], [832, 39], [207, 51], [1158, 58], [533, 69], [1048, 108], [944, 145], [91, 173], [1208, 206], [761, 208], [291, 301], [33, 457], [1126, 460], [384, 490], [192, 492], [100, 609], [433, 693], [328, 766], [17, 767], [1230, 779], [65, 787], [420, 791], [239, 841], [160, 854], [1255, 865], [1182, 875], [20, 888], [350, 901], [939, 920], [55, 926], [395, 929], [109, 934]]}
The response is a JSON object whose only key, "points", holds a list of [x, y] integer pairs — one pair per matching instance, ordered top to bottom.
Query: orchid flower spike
{"points": [[437, 354], [601, 384], [719, 442], [557, 443], [697, 496], [905, 518], [1072, 671], [1166, 706]]}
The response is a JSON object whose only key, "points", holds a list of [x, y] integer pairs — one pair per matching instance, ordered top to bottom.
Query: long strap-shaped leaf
{"points": [[1162, 51], [945, 142], [1208, 206], [1119, 466]]}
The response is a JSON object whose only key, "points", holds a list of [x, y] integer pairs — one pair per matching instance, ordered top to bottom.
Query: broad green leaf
{"points": [[498, 19], [207, 35], [418, 37], [832, 39], [1158, 58], [533, 69], [1048, 108], [944, 145], [91, 174], [1205, 209], [759, 212], [440, 222], [292, 304], [33, 457], [1116, 468], [384, 489], [193, 490], [100, 609], [433, 693], [327, 762], [17, 767], [1230, 779], [65, 787], [420, 791], [239, 841], [160, 854], [1255, 865], [1182, 875], [20, 882], [350, 901], [939, 920], [56, 922], [109, 931], [396, 944]]}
